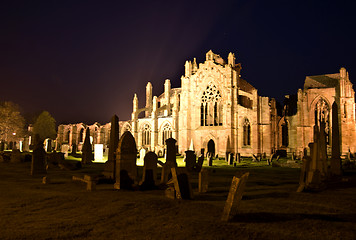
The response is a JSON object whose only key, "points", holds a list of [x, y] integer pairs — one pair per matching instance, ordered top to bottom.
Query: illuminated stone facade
{"points": [[214, 106]]}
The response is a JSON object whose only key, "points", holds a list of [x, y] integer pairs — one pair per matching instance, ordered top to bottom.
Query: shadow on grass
{"points": [[264, 217]]}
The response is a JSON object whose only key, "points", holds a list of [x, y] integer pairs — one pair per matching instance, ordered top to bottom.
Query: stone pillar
{"points": [[167, 96], [148, 99], [154, 133], [335, 162]]}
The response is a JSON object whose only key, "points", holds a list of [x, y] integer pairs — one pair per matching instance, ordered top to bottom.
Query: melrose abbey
{"points": [[218, 111]]}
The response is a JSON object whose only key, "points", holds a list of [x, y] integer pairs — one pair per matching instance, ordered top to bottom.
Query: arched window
{"points": [[211, 107], [322, 115], [166, 133], [247, 133], [81, 135], [146, 135], [285, 140]]}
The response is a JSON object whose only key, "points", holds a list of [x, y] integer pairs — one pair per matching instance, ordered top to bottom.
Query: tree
{"points": [[12, 124], [45, 126]]}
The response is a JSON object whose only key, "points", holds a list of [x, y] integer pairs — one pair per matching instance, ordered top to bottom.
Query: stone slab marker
{"points": [[171, 150], [87, 151], [98, 152], [126, 155], [190, 160], [335, 162], [38, 164], [150, 164], [110, 168], [203, 180], [182, 187], [234, 198]]}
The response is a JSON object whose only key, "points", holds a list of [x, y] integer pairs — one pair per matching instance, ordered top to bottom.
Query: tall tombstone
{"points": [[87, 150], [171, 150], [323, 150], [142, 154], [238, 157], [231, 158], [210, 159], [190, 160], [335, 162], [38, 164], [199, 164], [110, 168], [126, 168], [149, 176], [235, 195]]}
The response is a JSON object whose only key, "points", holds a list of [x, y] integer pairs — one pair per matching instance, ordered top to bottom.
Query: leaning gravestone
{"points": [[87, 151], [190, 160], [38, 164], [110, 168], [126, 169], [149, 176], [182, 187], [235, 195]]}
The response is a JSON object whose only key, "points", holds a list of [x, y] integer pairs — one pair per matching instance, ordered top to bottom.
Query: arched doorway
{"points": [[211, 147]]}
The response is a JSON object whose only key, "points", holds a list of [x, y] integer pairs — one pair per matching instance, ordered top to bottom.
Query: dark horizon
{"points": [[83, 61]]}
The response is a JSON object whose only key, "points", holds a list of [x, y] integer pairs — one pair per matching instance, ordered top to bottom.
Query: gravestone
{"points": [[48, 145], [2, 146], [74, 149], [65, 150], [171, 150], [87, 151], [98, 152], [142, 154], [126, 155], [16, 156], [238, 157], [231, 158], [210, 159], [190, 160], [335, 162], [38, 164], [199, 164], [110, 168], [166, 170], [149, 175], [203, 180], [181, 183], [235, 195]]}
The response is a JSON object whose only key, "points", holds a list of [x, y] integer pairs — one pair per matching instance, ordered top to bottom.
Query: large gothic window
{"points": [[211, 107], [322, 115], [166, 133], [247, 133], [146, 135]]}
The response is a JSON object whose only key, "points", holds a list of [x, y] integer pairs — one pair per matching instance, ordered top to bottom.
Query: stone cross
{"points": [[235, 195]]}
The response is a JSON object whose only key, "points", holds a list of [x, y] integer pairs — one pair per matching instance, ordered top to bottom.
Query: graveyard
{"points": [[62, 207]]}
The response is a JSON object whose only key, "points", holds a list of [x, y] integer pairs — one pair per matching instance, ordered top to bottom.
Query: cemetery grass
{"points": [[270, 207]]}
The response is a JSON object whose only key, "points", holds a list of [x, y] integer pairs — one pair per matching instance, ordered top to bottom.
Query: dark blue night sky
{"points": [[83, 60]]}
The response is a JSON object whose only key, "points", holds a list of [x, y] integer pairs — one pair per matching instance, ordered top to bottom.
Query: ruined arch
{"points": [[321, 114]]}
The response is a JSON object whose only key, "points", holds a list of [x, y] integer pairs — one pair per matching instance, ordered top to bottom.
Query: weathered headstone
{"points": [[2, 146], [87, 150], [171, 150], [98, 152], [142, 154], [126, 155], [238, 157], [231, 158], [210, 159], [190, 160], [335, 162], [38, 164], [199, 164], [110, 168], [166, 170], [149, 175], [203, 180], [91, 183], [182, 187], [235, 195]]}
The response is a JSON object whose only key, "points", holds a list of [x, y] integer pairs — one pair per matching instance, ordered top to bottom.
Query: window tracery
{"points": [[211, 107], [146, 134]]}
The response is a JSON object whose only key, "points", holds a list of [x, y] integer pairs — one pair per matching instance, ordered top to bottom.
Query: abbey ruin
{"points": [[218, 110]]}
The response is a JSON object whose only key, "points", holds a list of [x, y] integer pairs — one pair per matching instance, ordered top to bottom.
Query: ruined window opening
{"points": [[211, 107], [322, 115], [247, 133], [81, 135], [285, 140]]}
